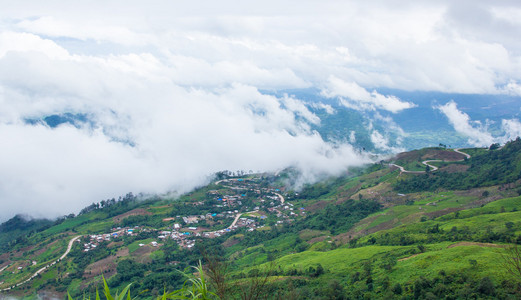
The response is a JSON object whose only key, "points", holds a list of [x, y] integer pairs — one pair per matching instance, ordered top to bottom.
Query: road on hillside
{"points": [[466, 154], [426, 162], [432, 168], [402, 170], [282, 200], [235, 221], [69, 247]]}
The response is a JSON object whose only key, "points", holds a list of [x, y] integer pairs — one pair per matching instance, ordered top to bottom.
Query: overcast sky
{"points": [[173, 87]]}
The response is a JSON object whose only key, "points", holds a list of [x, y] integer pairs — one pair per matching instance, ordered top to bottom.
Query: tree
{"points": [[494, 146], [512, 261], [486, 286], [397, 289], [335, 290]]}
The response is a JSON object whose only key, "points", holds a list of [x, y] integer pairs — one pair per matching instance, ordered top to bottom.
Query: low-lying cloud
{"points": [[172, 91], [353, 96], [144, 133], [478, 133]]}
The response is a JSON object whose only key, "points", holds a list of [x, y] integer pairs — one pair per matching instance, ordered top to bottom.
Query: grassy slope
{"points": [[341, 262], [410, 263]]}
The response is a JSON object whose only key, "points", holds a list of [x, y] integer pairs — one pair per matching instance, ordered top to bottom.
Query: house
{"points": [[190, 219]]}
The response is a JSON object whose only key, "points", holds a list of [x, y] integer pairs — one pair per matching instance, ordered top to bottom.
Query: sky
{"points": [[173, 90]]}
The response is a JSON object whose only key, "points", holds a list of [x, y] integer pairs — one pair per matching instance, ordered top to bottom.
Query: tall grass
{"points": [[195, 287]]}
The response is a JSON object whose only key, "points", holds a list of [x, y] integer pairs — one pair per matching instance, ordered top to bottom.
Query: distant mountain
{"points": [[417, 127]]}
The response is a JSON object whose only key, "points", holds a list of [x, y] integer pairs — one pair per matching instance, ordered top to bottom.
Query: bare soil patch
{"points": [[420, 155], [454, 168], [475, 192], [164, 206], [317, 206], [134, 212], [443, 212], [347, 236], [317, 239], [232, 241], [114, 244], [476, 244], [20, 252], [39, 252], [122, 252], [142, 254], [4, 256], [409, 257], [106, 266]]}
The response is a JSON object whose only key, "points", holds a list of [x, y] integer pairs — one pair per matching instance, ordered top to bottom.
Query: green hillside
{"points": [[376, 233]]}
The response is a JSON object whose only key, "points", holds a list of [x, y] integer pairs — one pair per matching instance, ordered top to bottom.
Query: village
{"points": [[268, 204]]}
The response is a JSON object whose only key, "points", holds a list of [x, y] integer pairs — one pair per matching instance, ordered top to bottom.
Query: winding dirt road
{"points": [[466, 155], [432, 168], [69, 247]]}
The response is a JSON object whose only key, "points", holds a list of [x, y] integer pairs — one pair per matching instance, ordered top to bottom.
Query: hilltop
{"points": [[425, 224]]}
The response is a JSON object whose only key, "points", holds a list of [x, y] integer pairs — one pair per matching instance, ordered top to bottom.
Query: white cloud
{"points": [[96, 30], [28, 42], [413, 46], [181, 81], [512, 89], [353, 96], [326, 107], [512, 129], [477, 133], [181, 135], [352, 137], [379, 141]]}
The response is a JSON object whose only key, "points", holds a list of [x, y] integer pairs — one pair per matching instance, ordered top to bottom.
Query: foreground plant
{"points": [[193, 288], [125, 294]]}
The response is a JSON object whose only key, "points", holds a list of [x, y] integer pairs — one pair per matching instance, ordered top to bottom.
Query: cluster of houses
{"points": [[271, 202], [209, 216], [185, 236], [96, 239]]}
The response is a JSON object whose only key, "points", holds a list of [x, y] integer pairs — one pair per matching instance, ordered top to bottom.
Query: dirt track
{"points": [[426, 162], [477, 244], [41, 270]]}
